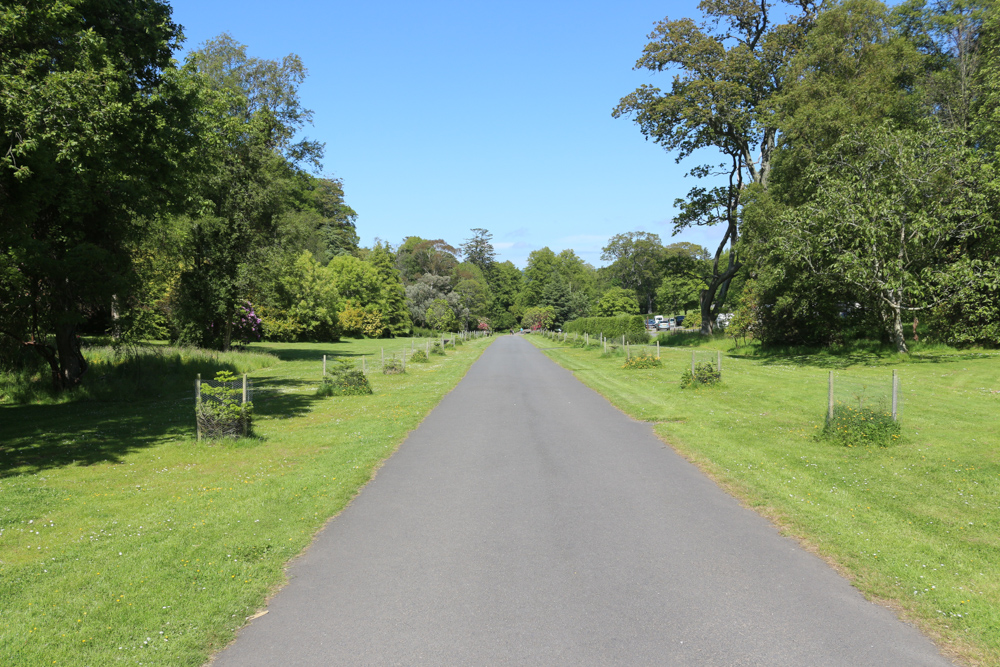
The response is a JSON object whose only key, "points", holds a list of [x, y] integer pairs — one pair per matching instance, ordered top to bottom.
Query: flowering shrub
{"points": [[484, 324], [248, 326], [642, 361], [704, 374], [345, 380], [861, 426]]}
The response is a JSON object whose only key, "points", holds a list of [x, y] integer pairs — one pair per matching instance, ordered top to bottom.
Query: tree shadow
{"points": [[312, 354], [284, 398], [42, 437]]}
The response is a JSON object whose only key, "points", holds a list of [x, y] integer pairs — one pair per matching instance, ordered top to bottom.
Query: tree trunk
{"points": [[227, 337], [72, 365]]}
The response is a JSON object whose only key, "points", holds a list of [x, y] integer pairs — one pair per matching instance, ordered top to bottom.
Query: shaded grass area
{"points": [[915, 525], [123, 540]]}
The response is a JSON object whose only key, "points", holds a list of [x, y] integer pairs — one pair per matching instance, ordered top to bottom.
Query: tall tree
{"points": [[727, 70], [94, 123], [252, 169], [479, 250], [637, 264]]}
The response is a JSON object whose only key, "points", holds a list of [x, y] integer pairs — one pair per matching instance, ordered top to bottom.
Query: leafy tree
{"points": [[727, 71], [94, 121], [250, 174], [889, 207], [417, 257], [637, 263], [542, 266], [355, 280], [506, 285], [423, 292], [557, 296], [392, 300], [616, 301], [440, 316]]}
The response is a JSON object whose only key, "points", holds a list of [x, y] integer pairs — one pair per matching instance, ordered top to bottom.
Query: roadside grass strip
{"points": [[915, 525], [124, 541]]}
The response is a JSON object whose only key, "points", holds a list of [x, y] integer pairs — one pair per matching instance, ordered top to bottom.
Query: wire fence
{"points": [[869, 395], [224, 408]]}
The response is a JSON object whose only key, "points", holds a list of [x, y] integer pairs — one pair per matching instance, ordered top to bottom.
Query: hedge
{"points": [[633, 327]]}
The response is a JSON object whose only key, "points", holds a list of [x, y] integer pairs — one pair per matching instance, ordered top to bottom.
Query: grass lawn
{"points": [[914, 525], [125, 541]]}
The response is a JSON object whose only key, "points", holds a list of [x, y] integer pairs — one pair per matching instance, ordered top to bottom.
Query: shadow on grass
{"points": [[315, 353], [42, 437]]}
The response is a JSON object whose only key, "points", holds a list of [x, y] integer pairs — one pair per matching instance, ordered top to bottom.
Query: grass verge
{"points": [[914, 525], [123, 540]]}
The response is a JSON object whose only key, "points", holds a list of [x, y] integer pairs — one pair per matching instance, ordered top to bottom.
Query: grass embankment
{"points": [[914, 525], [123, 540]]}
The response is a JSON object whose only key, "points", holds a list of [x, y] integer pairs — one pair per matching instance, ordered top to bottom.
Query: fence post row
{"points": [[657, 349], [324, 365], [243, 406]]}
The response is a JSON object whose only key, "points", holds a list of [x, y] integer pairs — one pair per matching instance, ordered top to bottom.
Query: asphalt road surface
{"points": [[528, 522]]}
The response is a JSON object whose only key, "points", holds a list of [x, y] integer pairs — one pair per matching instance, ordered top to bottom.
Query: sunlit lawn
{"points": [[916, 524], [123, 540]]}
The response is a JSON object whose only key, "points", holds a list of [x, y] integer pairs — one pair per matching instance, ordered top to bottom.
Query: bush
{"points": [[692, 321], [633, 327], [437, 348], [419, 357], [642, 361], [393, 367], [704, 374], [345, 380], [221, 412], [861, 426]]}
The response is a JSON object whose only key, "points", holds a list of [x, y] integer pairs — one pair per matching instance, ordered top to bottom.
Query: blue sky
{"points": [[444, 116]]}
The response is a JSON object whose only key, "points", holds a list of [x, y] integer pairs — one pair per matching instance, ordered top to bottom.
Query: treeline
{"points": [[859, 153]]}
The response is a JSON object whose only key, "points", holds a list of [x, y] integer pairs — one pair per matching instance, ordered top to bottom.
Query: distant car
{"points": [[724, 319], [678, 320], [665, 325]]}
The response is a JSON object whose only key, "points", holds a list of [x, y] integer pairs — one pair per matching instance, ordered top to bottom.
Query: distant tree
{"points": [[479, 250], [417, 257], [637, 263], [392, 298], [616, 301], [440, 316], [538, 317]]}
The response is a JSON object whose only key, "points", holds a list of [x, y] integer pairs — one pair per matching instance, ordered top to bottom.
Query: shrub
{"points": [[633, 327], [437, 348], [419, 357], [642, 361], [392, 367], [704, 374], [345, 380], [221, 412], [861, 426]]}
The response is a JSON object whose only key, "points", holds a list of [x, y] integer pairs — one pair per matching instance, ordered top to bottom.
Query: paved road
{"points": [[528, 522]]}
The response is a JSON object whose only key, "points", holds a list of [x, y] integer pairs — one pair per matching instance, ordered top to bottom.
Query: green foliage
{"points": [[94, 123], [637, 264], [616, 301], [440, 316], [538, 318], [692, 321], [633, 327], [437, 348], [419, 357], [642, 361], [392, 366], [704, 375], [345, 380], [221, 412], [863, 426]]}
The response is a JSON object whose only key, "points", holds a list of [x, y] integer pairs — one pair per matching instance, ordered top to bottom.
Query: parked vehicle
{"points": [[724, 319], [679, 320]]}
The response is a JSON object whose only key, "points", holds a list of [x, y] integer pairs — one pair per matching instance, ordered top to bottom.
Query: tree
{"points": [[728, 69], [94, 121], [250, 173], [889, 207], [479, 251], [417, 257], [637, 263], [542, 266], [506, 285], [423, 292], [558, 298], [392, 299], [616, 301], [440, 315], [538, 317]]}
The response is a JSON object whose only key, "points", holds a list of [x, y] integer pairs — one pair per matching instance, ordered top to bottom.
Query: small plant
{"points": [[437, 348], [613, 350], [419, 357], [642, 361], [393, 367], [704, 375], [345, 380], [221, 412], [862, 426]]}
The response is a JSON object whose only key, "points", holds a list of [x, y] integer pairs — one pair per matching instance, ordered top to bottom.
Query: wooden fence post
{"points": [[657, 348], [718, 364], [324, 365], [692, 365], [363, 369], [895, 394], [829, 399], [197, 405], [243, 406]]}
